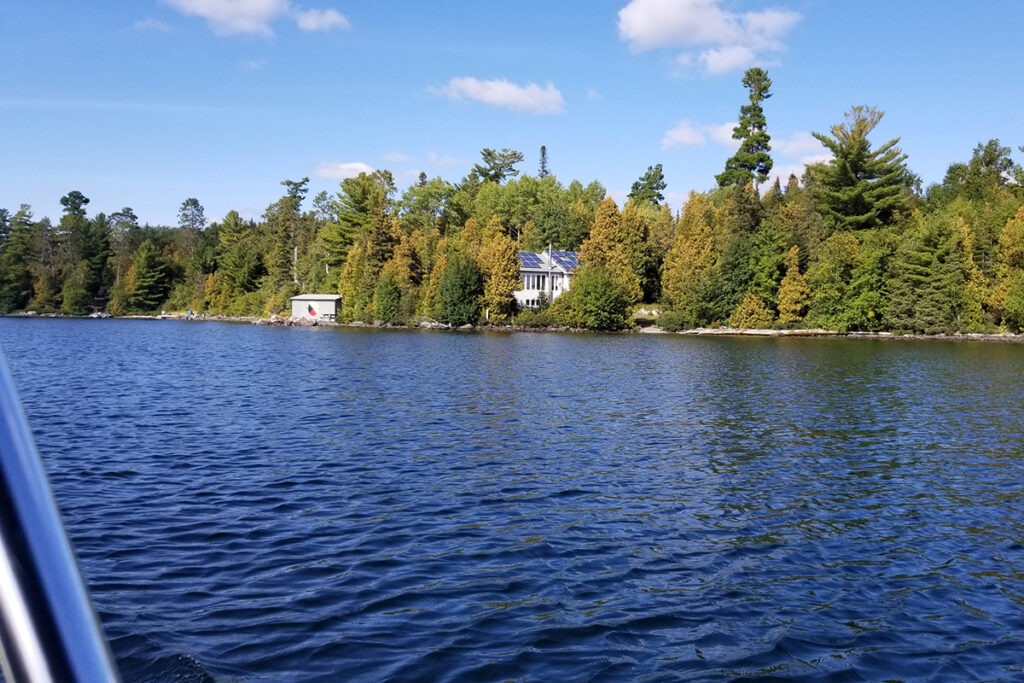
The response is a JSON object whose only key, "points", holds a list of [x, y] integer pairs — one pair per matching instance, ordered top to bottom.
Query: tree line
{"points": [[854, 244]]}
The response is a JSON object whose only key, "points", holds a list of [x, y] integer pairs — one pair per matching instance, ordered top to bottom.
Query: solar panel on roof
{"points": [[529, 259], [565, 259]]}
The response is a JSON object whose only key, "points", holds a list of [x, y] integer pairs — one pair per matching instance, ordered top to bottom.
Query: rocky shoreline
{"points": [[285, 321]]}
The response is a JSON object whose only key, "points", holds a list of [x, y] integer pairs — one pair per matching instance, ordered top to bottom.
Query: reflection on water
{"points": [[262, 503]]}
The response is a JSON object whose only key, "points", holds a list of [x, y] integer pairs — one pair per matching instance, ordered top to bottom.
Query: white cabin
{"points": [[546, 275], [316, 306]]}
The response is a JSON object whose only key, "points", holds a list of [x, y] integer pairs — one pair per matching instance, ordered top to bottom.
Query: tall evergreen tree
{"points": [[751, 161], [498, 166], [542, 172], [860, 187], [649, 189], [616, 245], [499, 264], [690, 264], [15, 275], [150, 285], [459, 292], [794, 293]]}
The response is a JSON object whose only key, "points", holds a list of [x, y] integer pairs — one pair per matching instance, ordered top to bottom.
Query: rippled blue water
{"points": [[303, 503]]}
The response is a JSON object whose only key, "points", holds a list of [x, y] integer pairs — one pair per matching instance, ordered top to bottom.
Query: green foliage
{"points": [[751, 161], [497, 166], [988, 172], [650, 188], [860, 188], [361, 200], [876, 254], [15, 273], [150, 285], [928, 285], [459, 292], [74, 296], [386, 300], [597, 301], [1013, 308], [544, 317], [676, 320]]}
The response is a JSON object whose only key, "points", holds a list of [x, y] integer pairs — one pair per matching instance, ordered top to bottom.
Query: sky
{"points": [[144, 103]]}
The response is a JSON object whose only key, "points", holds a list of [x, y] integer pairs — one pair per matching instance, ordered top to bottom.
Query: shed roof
{"points": [[316, 297]]}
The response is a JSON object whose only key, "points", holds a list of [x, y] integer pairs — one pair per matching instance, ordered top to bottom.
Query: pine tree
{"points": [[751, 161], [542, 172], [650, 188], [860, 188], [241, 264], [15, 274], [150, 285], [794, 293]]}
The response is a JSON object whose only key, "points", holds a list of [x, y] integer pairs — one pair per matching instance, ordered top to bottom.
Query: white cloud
{"points": [[234, 16], [227, 17], [320, 19], [151, 24], [730, 40], [723, 60], [253, 64], [500, 92], [593, 95], [685, 134], [688, 134], [722, 134], [799, 144], [792, 154], [397, 158], [444, 162], [339, 170]]}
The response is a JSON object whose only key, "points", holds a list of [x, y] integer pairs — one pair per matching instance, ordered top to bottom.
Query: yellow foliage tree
{"points": [[471, 238], [609, 246], [691, 261], [499, 263], [405, 266], [356, 285], [432, 285], [794, 292], [1007, 298], [752, 313]]}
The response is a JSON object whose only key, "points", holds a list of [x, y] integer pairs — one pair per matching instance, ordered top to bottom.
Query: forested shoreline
{"points": [[855, 244]]}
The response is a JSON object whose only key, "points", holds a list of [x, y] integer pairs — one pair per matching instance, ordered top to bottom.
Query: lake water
{"points": [[255, 503]]}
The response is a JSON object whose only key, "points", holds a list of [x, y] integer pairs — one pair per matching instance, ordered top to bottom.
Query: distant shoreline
{"points": [[276, 321]]}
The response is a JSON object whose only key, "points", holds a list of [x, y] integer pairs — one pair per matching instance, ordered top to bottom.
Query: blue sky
{"points": [[145, 103]]}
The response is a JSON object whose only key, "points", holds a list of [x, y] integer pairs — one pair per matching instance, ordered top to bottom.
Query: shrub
{"points": [[458, 296], [596, 301], [752, 313], [538, 318], [676, 320]]}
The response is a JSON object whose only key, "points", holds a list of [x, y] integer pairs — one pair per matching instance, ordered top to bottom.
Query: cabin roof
{"points": [[316, 297]]}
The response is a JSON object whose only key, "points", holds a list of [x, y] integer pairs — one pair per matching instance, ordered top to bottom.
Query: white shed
{"points": [[316, 306]]}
